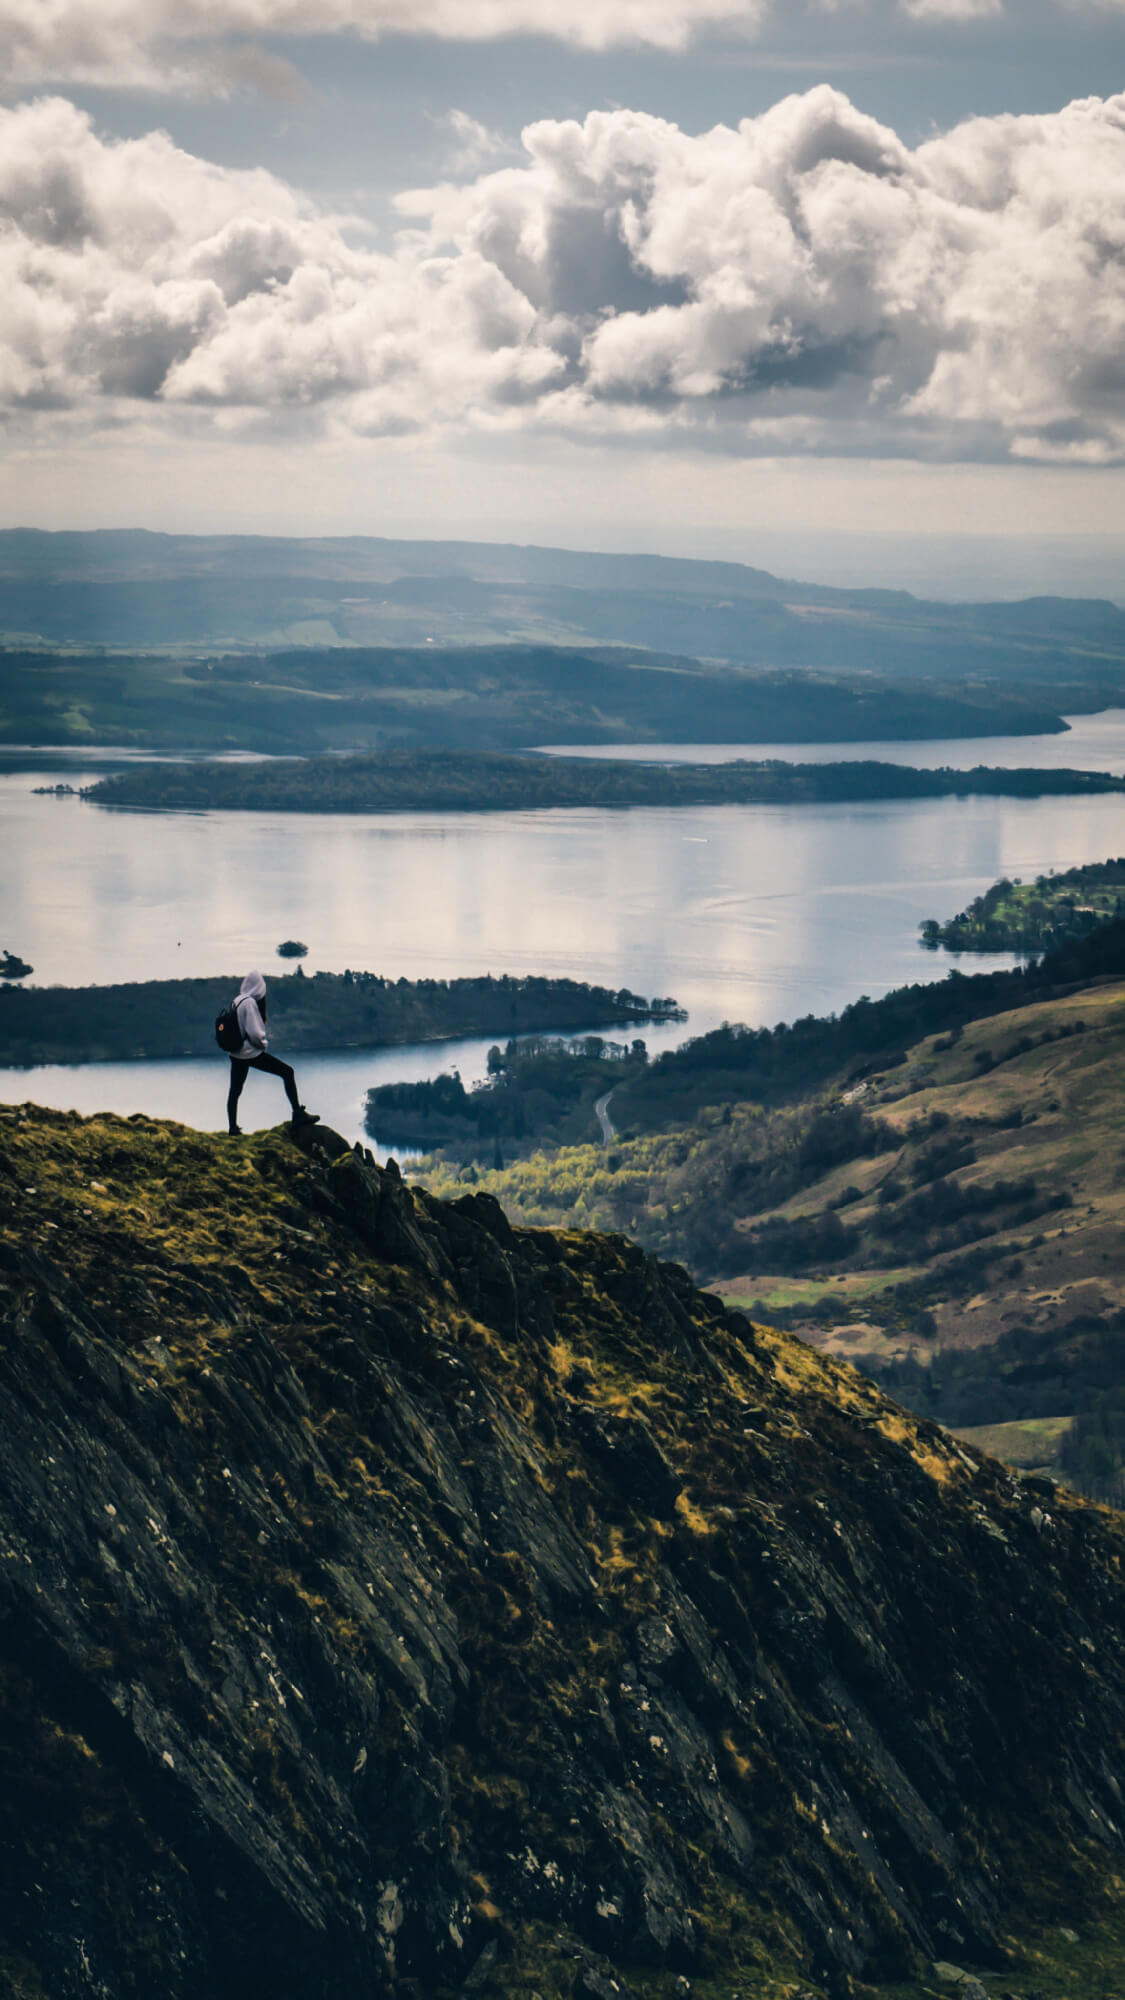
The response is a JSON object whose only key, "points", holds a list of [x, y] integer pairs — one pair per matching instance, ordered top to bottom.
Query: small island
{"points": [[451, 781], [1032, 917], [160, 1018]]}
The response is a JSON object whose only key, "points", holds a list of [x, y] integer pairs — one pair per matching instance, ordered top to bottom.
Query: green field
{"points": [[1032, 1446]]}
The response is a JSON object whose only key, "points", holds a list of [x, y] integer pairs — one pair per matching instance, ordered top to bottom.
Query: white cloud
{"points": [[951, 10], [177, 44], [208, 45], [473, 145], [135, 272], [803, 283]]}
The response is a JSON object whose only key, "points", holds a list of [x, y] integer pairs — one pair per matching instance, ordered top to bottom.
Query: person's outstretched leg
{"points": [[274, 1067], [238, 1071]]}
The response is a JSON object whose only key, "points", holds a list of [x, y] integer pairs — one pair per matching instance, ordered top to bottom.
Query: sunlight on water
{"points": [[1091, 743], [757, 914]]}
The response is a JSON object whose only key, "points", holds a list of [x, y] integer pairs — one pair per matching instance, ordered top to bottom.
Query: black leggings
{"points": [[272, 1067]]}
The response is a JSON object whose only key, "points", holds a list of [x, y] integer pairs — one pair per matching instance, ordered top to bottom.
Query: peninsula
{"points": [[1034, 916], [160, 1018]]}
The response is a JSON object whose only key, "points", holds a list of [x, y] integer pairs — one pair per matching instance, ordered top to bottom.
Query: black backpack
{"points": [[228, 1030]]}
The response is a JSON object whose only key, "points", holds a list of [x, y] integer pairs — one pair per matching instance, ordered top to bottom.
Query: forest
{"points": [[539, 1088]]}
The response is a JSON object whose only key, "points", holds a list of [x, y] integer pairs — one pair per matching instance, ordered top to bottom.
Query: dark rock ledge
{"points": [[394, 1602]]}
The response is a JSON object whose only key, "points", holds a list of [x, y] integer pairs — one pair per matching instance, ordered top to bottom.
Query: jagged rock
{"points": [[627, 1450], [385, 1591], [965, 1984]]}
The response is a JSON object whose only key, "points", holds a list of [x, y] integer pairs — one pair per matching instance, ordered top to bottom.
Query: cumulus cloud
{"points": [[135, 271], [805, 282]]}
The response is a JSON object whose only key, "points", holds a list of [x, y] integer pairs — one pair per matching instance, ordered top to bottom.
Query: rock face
{"points": [[394, 1602]]}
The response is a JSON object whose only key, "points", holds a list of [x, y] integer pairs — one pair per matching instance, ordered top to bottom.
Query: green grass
{"points": [[1033, 916], [853, 1287], [1032, 1445]]}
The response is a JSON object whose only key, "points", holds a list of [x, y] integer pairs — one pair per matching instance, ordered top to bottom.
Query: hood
{"points": [[253, 987]]}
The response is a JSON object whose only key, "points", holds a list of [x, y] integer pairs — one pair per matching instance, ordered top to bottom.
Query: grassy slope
{"points": [[496, 697], [1068, 1096], [1049, 1113], [1033, 1446]]}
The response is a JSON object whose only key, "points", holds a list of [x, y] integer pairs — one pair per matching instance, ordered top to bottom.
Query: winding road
{"points": [[601, 1112]]}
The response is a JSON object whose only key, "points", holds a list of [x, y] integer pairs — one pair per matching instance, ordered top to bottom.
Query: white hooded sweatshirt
{"points": [[255, 1039]]}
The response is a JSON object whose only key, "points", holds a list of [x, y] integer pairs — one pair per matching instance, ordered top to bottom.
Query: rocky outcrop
{"points": [[392, 1601]]}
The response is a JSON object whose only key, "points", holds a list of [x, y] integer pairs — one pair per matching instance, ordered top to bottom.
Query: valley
{"points": [[944, 1209]]}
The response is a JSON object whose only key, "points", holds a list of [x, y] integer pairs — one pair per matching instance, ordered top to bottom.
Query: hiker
{"points": [[250, 1011]]}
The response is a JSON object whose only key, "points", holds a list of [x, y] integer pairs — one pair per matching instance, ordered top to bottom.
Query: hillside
{"points": [[179, 593], [226, 642], [503, 696], [943, 1208], [392, 1602]]}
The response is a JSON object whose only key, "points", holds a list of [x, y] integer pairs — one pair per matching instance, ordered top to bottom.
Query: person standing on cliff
{"points": [[251, 1010]]}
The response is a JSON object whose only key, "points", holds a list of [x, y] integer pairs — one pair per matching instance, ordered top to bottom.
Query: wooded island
{"points": [[447, 781]]}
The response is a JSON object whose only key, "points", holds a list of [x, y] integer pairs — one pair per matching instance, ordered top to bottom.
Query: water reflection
{"points": [[1090, 743], [756, 914], [194, 1091]]}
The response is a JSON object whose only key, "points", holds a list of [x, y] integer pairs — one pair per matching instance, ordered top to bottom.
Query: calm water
{"points": [[1091, 743], [757, 914], [194, 1091]]}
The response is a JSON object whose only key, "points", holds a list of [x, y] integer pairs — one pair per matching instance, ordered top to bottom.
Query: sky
{"points": [[831, 285]]}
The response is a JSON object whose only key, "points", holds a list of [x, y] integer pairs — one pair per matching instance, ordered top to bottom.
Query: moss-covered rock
{"points": [[392, 1601]]}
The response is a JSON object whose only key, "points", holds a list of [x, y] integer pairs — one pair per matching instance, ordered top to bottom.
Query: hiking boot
{"points": [[301, 1118], [235, 1132]]}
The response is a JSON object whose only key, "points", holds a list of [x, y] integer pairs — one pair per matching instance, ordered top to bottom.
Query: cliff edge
{"points": [[394, 1602]]}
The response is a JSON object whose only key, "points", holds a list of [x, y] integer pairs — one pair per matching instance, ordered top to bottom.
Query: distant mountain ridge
{"points": [[138, 552], [134, 587]]}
